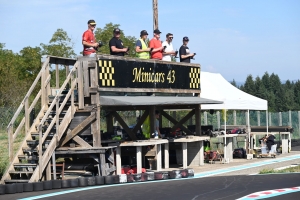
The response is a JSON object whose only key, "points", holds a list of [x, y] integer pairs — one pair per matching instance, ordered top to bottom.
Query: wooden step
{"points": [[36, 134], [33, 142], [32, 150], [23, 157], [24, 165], [20, 172], [17, 181]]}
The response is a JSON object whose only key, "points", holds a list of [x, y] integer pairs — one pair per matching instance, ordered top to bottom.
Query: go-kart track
{"points": [[201, 186]]}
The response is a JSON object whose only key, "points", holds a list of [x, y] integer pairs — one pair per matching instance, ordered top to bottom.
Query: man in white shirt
{"points": [[168, 51]]}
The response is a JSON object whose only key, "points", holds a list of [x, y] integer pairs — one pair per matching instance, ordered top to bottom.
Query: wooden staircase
{"points": [[31, 162]]}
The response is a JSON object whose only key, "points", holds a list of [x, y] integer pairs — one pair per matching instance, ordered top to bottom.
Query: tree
{"points": [[106, 34], [59, 45], [31, 59], [234, 83], [249, 85]]}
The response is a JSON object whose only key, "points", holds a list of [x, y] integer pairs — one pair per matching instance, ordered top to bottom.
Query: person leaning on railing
{"points": [[141, 48]]}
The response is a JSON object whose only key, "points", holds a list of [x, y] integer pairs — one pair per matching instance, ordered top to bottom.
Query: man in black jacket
{"points": [[270, 141]]}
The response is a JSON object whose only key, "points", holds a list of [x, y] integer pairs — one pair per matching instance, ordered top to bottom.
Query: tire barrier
{"points": [[191, 172], [184, 173], [175, 174], [150, 176], [144, 177], [123, 178], [116, 179], [94, 180], [99, 180], [108, 180], [91, 181], [82, 182], [65, 183], [56, 184], [47, 185], [38, 186], [19, 187], [27, 187], [10, 188], [2, 189]]}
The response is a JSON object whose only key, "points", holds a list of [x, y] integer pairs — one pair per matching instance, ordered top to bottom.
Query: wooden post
{"points": [[155, 14], [57, 76], [80, 86], [95, 101], [205, 117], [234, 117], [258, 118], [280, 118], [198, 119], [109, 123], [40, 150], [166, 155], [184, 155], [158, 156], [139, 159], [118, 160], [54, 165], [48, 171]]}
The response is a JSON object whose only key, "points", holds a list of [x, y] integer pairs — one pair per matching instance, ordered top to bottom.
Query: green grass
{"points": [[4, 159], [287, 170]]}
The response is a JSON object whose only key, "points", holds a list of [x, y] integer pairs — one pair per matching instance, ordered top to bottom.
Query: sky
{"points": [[233, 38]]}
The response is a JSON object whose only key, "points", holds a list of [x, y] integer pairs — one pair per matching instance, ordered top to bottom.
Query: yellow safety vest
{"points": [[143, 55], [146, 128]]}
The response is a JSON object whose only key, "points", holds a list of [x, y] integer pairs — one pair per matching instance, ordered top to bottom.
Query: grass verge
{"points": [[287, 170]]}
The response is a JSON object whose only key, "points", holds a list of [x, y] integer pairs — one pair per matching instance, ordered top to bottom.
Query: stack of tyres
{"points": [[191, 172], [184, 173], [175, 174], [161, 175], [150, 176], [144, 177], [123, 178], [130, 178], [116, 179], [91, 180], [99, 180], [19, 187], [10, 188], [2, 189]]}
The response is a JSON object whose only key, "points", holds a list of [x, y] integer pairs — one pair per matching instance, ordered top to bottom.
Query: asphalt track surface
{"points": [[221, 187]]}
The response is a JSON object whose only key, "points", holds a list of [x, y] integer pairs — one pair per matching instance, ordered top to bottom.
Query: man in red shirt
{"points": [[88, 40], [156, 46]]}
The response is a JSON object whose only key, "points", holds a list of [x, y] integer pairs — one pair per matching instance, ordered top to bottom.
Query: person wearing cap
{"points": [[88, 40], [116, 44], [156, 46], [141, 47], [169, 51], [184, 51]]}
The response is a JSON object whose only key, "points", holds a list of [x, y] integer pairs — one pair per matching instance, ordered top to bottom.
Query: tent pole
{"points": [[267, 121], [249, 130], [225, 141]]}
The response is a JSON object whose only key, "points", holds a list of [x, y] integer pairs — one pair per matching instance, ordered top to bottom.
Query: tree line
{"points": [[281, 96]]}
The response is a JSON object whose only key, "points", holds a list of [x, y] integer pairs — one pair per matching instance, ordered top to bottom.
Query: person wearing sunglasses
{"points": [[88, 40], [116, 44], [168, 51], [184, 51]]}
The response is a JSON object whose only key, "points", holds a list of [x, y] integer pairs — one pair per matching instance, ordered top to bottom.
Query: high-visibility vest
{"points": [[143, 55]]}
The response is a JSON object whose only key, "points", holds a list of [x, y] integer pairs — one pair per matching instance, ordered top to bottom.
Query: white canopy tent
{"points": [[214, 86]]}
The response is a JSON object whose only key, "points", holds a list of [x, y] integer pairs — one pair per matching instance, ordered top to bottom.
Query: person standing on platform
{"points": [[88, 40], [116, 44], [156, 46], [141, 47], [168, 51], [184, 51], [157, 131]]}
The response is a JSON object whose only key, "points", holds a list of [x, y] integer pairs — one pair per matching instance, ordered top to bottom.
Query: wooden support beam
{"points": [[80, 86], [166, 115], [198, 119], [183, 120], [140, 122], [124, 125], [78, 128], [81, 142], [48, 171]]}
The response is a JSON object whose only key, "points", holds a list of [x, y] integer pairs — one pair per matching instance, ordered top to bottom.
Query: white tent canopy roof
{"points": [[214, 86]]}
